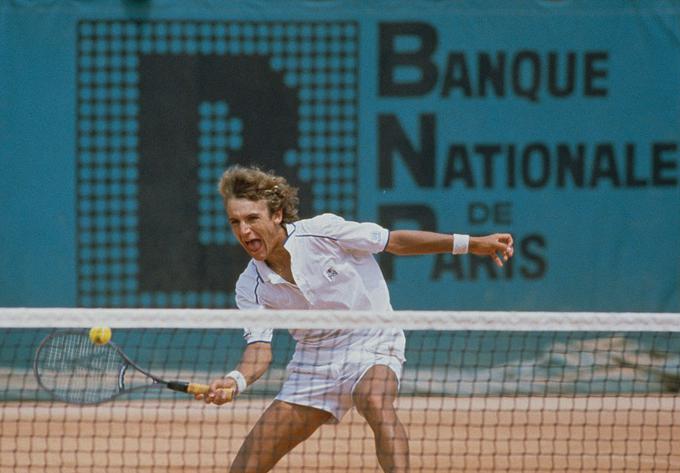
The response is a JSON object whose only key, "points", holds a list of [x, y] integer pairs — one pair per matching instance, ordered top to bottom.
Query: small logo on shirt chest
{"points": [[330, 273]]}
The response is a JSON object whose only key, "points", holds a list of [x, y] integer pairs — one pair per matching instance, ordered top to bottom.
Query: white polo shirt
{"points": [[334, 268]]}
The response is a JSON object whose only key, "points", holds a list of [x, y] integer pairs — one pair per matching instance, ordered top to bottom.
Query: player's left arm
{"points": [[498, 246]]}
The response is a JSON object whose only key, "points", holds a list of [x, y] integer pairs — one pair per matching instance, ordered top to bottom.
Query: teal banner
{"points": [[557, 121]]}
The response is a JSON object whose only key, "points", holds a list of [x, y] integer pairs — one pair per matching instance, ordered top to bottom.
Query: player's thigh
{"points": [[376, 390], [280, 428]]}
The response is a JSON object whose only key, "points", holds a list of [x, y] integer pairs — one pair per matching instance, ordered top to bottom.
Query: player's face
{"points": [[258, 231]]}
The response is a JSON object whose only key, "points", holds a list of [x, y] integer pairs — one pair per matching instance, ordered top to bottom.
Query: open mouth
{"points": [[254, 245]]}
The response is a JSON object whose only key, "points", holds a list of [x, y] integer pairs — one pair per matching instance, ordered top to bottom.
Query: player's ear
{"points": [[277, 216]]}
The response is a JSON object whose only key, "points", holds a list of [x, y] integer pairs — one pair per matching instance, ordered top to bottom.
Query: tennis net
{"points": [[480, 391]]}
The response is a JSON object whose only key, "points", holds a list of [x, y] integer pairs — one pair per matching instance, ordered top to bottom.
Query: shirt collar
{"points": [[290, 230]]}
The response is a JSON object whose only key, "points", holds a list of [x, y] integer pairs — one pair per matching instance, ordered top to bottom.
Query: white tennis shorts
{"points": [[325, 377]]}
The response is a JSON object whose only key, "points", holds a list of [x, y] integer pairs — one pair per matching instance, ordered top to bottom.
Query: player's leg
{"points": [[374, 397], [281, 427]]}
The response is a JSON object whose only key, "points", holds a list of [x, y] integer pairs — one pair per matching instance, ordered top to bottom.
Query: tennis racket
{"points": [[75, 370]]}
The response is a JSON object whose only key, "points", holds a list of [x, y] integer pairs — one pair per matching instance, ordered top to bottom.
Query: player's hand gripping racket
{"points": [[73, 369]]}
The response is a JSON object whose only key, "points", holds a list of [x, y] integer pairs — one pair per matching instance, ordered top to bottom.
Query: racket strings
{"points": [[76, 370]]}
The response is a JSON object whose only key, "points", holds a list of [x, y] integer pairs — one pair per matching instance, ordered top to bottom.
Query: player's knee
{"points": [[374, 406], [251, 459], [251, 464]]}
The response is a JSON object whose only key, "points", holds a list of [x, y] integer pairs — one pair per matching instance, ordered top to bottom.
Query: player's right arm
{"points": [[257, 355], [254, 363]]}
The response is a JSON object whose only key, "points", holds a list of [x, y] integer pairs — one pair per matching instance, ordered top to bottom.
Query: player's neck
{"points": [[279, 259]]}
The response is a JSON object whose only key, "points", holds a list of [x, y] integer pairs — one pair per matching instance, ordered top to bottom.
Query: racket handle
{"points": [[195, 388]]}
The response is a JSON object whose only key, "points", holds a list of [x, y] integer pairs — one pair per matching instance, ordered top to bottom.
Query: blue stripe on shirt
{"points": [[316, 236], [258, 280]]}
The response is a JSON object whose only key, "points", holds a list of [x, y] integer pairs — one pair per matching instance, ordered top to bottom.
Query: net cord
{"points": [[28, 317]]}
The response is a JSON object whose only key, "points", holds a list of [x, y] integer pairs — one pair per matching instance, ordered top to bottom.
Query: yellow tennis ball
{"points": [[100, 335]]}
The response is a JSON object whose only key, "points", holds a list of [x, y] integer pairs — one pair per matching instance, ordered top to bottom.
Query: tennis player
{"points": [[323, 262]]}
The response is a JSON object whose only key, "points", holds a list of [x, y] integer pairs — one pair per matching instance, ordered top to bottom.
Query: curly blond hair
{"points": [[239, 182]]}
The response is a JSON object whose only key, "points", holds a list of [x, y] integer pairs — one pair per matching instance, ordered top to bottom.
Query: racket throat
{"points": [[121, 376]]}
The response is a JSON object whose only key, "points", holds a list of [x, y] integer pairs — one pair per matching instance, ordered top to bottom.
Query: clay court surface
{"points": [[613, 434]]}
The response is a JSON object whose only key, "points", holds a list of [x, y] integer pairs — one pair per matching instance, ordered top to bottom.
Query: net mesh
{"points": [[482, 392]]}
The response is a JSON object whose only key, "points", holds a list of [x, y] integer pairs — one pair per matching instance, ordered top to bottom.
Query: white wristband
{"points": [[460, 244], [241, 383]]}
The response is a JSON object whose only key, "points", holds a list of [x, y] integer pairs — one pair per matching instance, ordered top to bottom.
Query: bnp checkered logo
{"points": [[164, 107]]}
